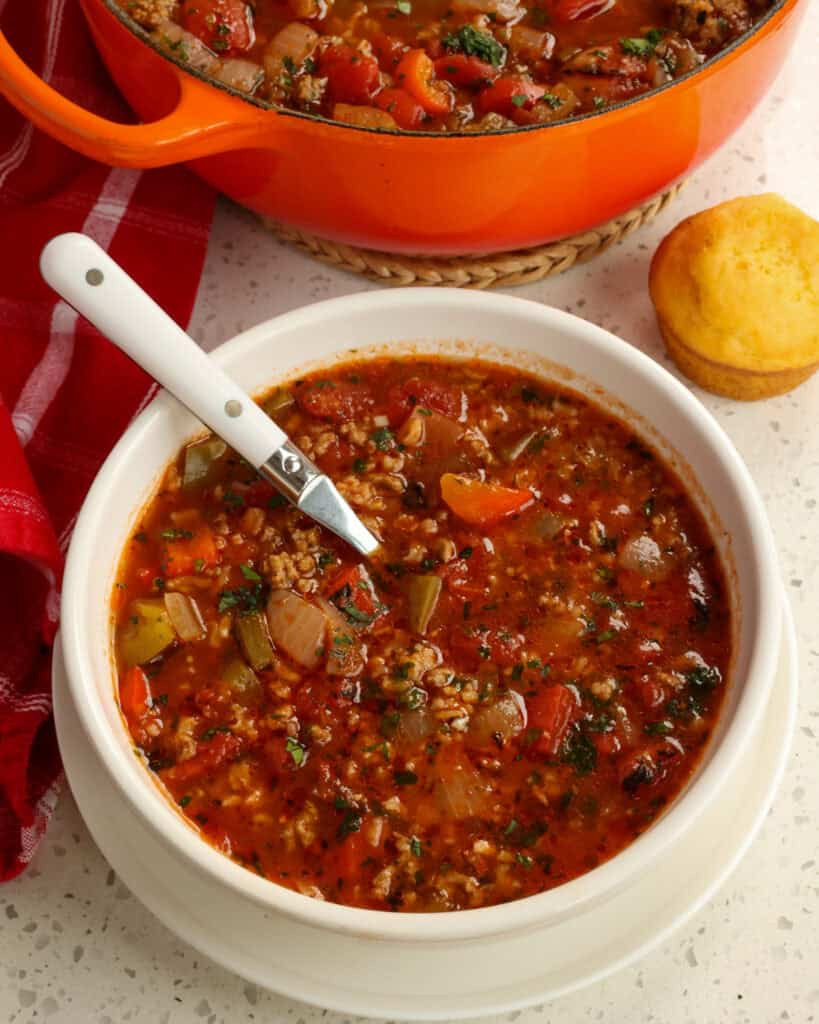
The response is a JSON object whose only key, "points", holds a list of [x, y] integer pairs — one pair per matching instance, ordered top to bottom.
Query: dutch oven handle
{"points": [[180, 136]]}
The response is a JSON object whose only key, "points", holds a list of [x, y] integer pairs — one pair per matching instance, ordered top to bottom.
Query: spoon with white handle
{"points": [[90, 281]]}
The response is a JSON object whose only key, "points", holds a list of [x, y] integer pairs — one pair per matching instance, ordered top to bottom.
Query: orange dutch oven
{"points": [[412, 193]]}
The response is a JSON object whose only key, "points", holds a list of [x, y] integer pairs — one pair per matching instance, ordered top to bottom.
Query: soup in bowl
{"points": [[540, 681]]}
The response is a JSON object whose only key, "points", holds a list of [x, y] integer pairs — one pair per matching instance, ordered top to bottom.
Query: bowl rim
{"points": [[777, 7], [556, 903]]}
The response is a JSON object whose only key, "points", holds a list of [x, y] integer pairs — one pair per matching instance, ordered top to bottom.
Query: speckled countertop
{"points": [[75, 946]]}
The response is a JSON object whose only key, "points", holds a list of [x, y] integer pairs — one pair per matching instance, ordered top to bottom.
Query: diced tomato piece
{"points": [[572, 10], [225, 26], [389, 51], [465, 71], [416, 74], [352, 77], [507, 95], [406, 111], [427, 394], [338, 401], [482, 504], [182, 556], [463, 578], [352, 592], [478, 646], [652, 694], [135, 700], [551, 711], [607, 743], [223, 747]]}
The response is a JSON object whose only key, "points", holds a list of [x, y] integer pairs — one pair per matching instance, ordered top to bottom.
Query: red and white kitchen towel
{"points": [[66, 394]]}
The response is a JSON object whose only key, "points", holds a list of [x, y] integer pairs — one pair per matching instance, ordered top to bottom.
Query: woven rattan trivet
{"points": [[501, 270]]}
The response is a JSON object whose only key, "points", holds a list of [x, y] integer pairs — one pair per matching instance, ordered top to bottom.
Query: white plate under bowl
{"points": [[440, 981]]}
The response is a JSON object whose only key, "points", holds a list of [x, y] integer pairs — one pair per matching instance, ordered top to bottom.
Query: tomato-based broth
{"points": [[445, 65], [508, 694]]}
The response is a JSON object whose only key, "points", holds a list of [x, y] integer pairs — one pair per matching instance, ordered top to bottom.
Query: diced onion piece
{"points": [[308, 8], [502, 10], [295, 42], [531, 43], [187, 47], [244, 75], [364, 117], [381, 421], [437, 433], [515, 450], [200, 460], [548, 526], [643, 554], [423, 593], [185, 616], [297, 627], [148, 632], [251, 632], [344, 650], [498, 722], [415, 726], [461, 792]]}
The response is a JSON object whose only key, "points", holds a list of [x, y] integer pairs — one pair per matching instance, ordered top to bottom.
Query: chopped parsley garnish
{"points": [[403, 6], [475, 43], [637, 47], [519, 99], [551, 100], [600, 102], [383, 439], [359, 465], [232, 498], [277, 501], [648, 508], [174, 534], [465, 552], [326, 558], [199, 565], [605, 573], [250, 574], [243, 599], [603, 599], [703, 677], [414, 698], [600, 723], [661, 728], [295, 750], [580, 752], [405, 778], [350, 823], [510, 828], [415, 846], [524, 860]]}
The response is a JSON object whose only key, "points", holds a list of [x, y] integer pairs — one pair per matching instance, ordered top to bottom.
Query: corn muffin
{"points": [[736, 292]]}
